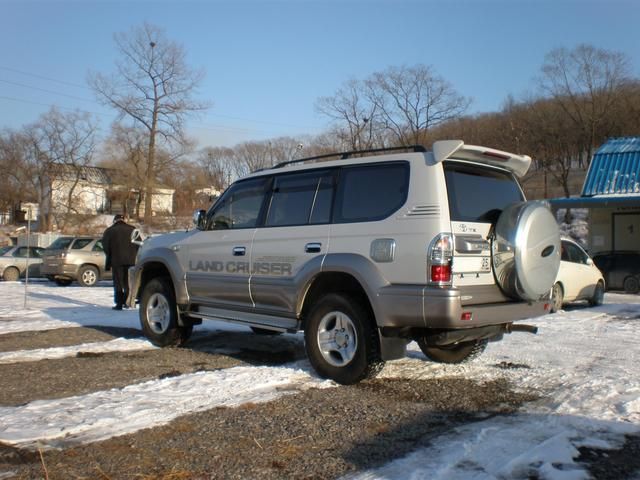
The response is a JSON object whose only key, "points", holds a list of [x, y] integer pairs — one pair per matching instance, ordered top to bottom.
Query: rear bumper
{"points": [[417, 306]]}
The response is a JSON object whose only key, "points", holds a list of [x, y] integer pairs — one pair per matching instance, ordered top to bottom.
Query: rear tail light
{"points": [[440, 259]]}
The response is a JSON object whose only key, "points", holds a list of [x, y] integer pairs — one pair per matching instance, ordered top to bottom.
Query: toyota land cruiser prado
{"points": [[364, 254]]}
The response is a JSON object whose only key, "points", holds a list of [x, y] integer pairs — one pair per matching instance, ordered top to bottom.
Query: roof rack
{"points": [[345, 155]]}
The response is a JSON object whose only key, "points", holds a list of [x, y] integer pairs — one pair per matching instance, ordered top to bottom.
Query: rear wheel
{"points": [[11, 274], [88, 276], [631, 285], [598, 295], [557, 298], [159, 315], [341, 341], [457, 353]]}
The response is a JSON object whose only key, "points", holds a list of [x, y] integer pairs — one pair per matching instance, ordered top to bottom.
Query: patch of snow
{"points": [[115, 345], [105, 414]]}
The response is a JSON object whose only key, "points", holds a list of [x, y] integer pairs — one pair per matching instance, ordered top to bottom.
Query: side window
{"points": [[371, 192], [301, 199], [239, 207], [80, 243], [98, 247], [20, 252], [35, 252], [575, 254]]}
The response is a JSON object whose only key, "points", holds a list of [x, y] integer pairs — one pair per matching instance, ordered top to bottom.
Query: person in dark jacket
{"points": [[120, 255]]}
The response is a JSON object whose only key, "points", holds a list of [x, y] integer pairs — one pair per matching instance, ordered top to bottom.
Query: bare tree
{"points": [[586, 83], [154, 87], [413, 99], [355, 116], [47, 158], [217, 164]]}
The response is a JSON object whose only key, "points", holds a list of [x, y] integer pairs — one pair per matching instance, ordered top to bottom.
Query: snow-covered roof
{"points": [[614, 169]]}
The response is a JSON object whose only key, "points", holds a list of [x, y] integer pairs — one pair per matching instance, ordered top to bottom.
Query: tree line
{"points": [[583, 96]]}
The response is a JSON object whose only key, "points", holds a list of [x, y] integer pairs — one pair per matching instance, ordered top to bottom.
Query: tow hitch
{"points": [[510, 328]]}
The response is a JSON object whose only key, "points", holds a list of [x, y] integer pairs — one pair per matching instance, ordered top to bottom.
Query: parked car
{"points": [[363, 253], [75, 258], [14, 261], [621, 269], [578, 278]]}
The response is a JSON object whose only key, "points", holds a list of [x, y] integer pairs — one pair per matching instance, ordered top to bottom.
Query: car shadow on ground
{"points": [[459, 439]]}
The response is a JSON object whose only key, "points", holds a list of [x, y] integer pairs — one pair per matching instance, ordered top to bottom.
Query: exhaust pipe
{"points": [[518, 327]]}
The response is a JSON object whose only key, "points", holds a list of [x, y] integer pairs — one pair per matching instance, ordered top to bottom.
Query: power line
{"points": [[43, 77], [46, 91], [217, 115], [195, 125]]}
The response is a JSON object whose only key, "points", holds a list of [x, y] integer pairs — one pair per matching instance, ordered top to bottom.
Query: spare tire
{"points": [[525, 250]]}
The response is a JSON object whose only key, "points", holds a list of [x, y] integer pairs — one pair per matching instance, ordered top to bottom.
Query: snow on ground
{"points": [[115, 345], [583, 362], [101, 415]]}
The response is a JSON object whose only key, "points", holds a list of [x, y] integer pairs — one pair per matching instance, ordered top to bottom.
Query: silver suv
{"points": [[363, 254], [75, 258]]}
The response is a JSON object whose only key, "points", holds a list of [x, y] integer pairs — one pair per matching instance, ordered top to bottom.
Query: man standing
{"points": [[121, 254]]}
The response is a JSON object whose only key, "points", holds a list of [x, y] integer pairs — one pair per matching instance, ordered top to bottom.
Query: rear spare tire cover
{"points": [[526, 250]]}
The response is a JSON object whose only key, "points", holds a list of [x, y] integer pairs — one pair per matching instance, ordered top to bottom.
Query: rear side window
{"points": [[371, 192], [478, 194], [300, 199], [61, 243], [80, 243]]}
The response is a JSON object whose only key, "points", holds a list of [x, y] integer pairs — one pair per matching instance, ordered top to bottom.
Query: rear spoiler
{"points": [[444, 149]]}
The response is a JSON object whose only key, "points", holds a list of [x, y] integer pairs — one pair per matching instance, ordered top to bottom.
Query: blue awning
{"points": [[596, 202]]}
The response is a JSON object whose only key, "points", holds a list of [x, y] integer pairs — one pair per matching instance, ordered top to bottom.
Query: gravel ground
{"points": [[324, 433], [314, 434]]}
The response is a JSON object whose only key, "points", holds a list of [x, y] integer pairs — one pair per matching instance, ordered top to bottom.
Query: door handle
{"points": [[313, 247], [239, 251]]}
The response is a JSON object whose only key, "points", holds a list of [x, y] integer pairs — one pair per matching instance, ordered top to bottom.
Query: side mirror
{"points": [[199, 219], [589, 261]]}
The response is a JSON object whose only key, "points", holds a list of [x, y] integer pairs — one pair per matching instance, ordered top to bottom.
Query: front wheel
{"points": [[88, 276], [63, 282], [598, 295], [159, 315], [341, 341], [457, 353]]}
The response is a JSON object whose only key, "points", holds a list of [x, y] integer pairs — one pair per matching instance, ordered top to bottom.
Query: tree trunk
{"points": [[149, 180]]}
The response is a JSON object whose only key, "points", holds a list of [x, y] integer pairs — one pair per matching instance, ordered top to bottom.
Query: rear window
{"points": [[478, 194], [61, 243]]}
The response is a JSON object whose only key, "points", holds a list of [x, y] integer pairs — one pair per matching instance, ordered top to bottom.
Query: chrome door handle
{"points": [[313, 247], [239, 251]]}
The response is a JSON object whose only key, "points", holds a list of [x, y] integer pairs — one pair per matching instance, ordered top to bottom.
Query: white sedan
{"points": [[578, 278]]}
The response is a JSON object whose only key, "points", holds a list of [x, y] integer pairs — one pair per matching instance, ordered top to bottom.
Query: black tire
{"points": [[11, 274], [88, 276], [62, 282], [631, 285], [598, 295], [557, 298], [159, 315], [264, 331], [352, 349], [457, 353]]}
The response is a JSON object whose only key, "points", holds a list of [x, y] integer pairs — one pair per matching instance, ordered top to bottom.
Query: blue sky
{"points": [[268, 61]]}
